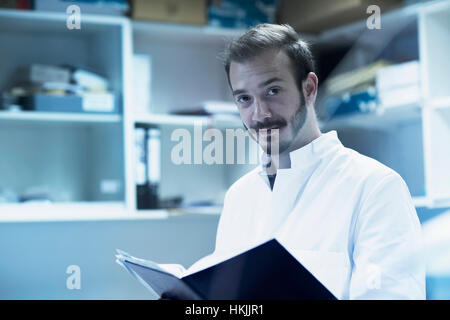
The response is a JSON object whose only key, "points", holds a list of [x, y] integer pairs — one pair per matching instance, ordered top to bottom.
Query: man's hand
{"points": [[177, 294]]}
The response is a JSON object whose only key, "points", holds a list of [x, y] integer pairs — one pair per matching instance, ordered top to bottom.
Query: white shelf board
{"points": [[42, 20], [184, 32], [439, 103], [35, 116], [382, 118], [167, 119], [221, 121], [421, 202], [427, 202], [440, 203], [206, 210], [81, 211], [93, 211], [101, 211]]}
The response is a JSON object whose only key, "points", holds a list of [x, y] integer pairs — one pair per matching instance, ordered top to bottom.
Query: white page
{"points": [[174, 269]]}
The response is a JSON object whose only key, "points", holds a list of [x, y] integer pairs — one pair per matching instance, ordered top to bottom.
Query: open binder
{"points": [[266, 272]]}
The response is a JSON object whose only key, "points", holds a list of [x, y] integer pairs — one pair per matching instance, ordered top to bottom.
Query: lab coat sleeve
{"points": [[386, 260]]}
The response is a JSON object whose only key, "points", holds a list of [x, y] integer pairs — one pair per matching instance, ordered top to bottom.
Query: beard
{"points": [[297, 121]]}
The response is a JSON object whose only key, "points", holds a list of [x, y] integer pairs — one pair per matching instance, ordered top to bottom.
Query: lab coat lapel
{"points": [[293, 182], [290, 184], [288, 191], [263, 211]]}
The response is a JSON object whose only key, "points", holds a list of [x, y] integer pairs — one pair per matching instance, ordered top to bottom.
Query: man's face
{"points": [[267, 97]]}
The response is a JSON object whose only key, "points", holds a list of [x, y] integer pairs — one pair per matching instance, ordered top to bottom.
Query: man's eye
{"points": [[273, 91], [243, 99]]}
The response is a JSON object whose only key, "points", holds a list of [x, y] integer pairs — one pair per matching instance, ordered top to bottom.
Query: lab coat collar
{"points": [[308, 154]]}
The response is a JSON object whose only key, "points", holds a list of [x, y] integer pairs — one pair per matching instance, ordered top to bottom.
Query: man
{"points": [[348, 218]]}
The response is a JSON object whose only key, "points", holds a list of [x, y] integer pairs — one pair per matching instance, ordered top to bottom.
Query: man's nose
{"points": [[261, 111]]}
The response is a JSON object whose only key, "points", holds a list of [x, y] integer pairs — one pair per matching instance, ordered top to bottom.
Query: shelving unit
{"points": [[434, 26], [188, 70], [412, 139], [71, 148], [75, 153], [67, 156], [87, 211]]}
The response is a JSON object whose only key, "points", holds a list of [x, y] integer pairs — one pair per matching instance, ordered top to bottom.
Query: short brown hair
{"points": [[271, 36]]}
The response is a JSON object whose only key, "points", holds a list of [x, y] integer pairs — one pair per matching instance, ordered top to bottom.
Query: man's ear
{"points": [[310, 86]]}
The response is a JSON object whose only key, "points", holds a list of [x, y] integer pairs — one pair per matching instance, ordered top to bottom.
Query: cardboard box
{"points": [[10, 4], [16, 4], [174, 11], [241, 14], [314, 16], [39, 73], [88, 103]]}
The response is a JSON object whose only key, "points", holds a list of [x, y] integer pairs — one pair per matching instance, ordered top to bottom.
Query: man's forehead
{"points": [[271, 64]]}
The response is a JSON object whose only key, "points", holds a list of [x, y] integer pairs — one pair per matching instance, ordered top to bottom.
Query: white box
{"points": [[39, 73], [399, 75], [400, 96], [99, 102]]}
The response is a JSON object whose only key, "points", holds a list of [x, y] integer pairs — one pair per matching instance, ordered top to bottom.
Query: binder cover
{"points": [[266, 272]]}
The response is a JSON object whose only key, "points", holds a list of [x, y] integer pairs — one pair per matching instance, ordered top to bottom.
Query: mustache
{"points": [[269, 124]]}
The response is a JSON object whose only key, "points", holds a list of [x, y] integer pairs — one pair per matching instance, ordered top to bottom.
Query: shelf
{"points": [[40, 21], [184, 33], [440, 103], [45, 117], [381, 119], [219, 121], [421, 202], [426, 202], [440, 203], [206, 210], [93, 211], [98, 211], [39, 212]]}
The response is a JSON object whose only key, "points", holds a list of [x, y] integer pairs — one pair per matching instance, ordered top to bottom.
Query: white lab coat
{"points": [[346, 217]]}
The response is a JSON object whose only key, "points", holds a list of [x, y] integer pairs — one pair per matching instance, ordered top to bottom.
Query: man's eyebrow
{"points": [[263, 84], [236, 92]]}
